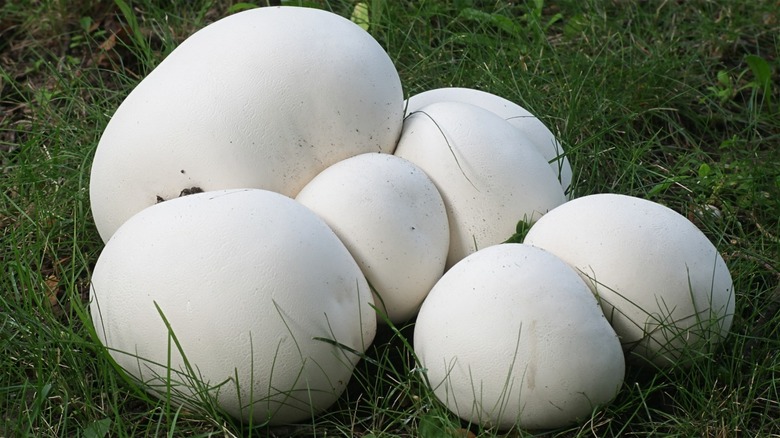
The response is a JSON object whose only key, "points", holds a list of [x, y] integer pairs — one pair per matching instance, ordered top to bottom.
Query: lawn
{"points": [[675, 102]]}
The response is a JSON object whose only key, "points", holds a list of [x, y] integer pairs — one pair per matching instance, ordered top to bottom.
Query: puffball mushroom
{"points": [[265, 98], [539, 135], [487, 178], [392, 219], [661, 282], [257, 291], [512, 336]]}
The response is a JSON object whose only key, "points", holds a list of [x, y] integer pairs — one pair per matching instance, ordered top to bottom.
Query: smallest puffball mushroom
{"points": [[392, 219], [662, 284], [257, 291], [511, 336]]}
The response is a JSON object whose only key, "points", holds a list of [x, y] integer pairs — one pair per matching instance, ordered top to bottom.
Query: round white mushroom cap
{"points": [[265, 98], [539, 135], [487, 179], [392, 219], [661, 282], [256, 289], [512, 336]]}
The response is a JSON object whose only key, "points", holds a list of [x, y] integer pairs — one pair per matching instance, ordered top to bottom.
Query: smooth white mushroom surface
{"points": [[265, 98], [539, 135], [487, 178], [392, 219], [661, 282], [256, 289], [512, 336]]}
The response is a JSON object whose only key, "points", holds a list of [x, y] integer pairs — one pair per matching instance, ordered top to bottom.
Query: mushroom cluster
{"points": [[265, 206], [237, 293]]}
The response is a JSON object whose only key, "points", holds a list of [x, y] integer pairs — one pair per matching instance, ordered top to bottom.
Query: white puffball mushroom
{"points": [[265, 98], [540, 136], [487, 179], [392, 219], [661, 282], [257, 290], [512, 336]]}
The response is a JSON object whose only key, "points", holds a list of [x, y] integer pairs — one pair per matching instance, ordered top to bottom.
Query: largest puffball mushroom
{"points": [[265, 98], [662, 284], [244, 293], [512, 336]]}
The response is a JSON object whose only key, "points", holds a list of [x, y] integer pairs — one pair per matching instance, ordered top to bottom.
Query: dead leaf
{"points": [[109, 43], [52, 284], [463, 433]]}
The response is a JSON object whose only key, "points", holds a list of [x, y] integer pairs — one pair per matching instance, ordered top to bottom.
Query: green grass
{"points": [[677, 102]]}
